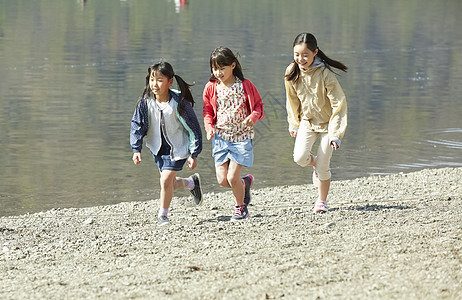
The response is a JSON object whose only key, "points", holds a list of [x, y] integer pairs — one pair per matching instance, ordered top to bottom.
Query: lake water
{"points": [[72, 72]]}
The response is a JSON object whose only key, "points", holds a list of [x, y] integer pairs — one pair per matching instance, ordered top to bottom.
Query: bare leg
{"points": [[322, 162], [222, 174], [229, 175], [234, 180], [168, 183], [180, 183], [323, 185], [323, 189]]}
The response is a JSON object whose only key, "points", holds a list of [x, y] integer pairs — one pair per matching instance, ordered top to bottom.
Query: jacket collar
{"points": [[316, 63]]}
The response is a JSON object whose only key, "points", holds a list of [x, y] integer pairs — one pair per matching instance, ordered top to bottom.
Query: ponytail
{"points": [[310, 41], [329, 62], [294, 72], [185, 89]]}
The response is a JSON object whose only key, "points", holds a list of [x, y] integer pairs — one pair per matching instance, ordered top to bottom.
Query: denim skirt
{"points": [[239, 152]]}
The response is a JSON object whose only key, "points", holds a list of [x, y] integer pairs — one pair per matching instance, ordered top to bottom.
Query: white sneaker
{"points": [[320, 207], [162, 220]]}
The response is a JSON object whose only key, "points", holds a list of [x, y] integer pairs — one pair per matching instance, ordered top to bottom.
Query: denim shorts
{"points": [[239, 152], [165, 162]]}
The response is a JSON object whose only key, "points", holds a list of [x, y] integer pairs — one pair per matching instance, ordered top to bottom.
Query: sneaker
{"points": [[248, 181], [197, 191], [320, 207], [240, 213], [162, 220]]}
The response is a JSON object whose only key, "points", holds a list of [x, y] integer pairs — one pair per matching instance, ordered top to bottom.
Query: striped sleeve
{"points": [[191, 125]]}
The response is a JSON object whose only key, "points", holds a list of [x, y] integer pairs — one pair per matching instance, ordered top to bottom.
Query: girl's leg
{"points": [[303, 144], [322, 165], [222, 174], [229, 175], [235, 181], [168, 183], [180, 183], [323, 189]]}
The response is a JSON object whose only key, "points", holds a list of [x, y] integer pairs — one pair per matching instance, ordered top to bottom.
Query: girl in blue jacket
{"points": [[173, 135]]}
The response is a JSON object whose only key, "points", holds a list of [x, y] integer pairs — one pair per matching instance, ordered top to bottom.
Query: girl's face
{"points": [[303, 56], [224, 74], [159, 84]]}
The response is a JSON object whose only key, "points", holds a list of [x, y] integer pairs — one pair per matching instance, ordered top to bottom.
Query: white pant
{"points": [[302, 150]]}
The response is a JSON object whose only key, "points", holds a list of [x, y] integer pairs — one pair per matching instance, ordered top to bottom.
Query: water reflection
{"points": [[180, 5], [71, 77]]}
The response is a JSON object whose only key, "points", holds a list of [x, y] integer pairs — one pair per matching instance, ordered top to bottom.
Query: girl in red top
{"points": [[232, 106]]}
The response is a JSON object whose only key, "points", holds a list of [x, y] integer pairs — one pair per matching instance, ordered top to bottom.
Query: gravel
{"points": [[385, 237]]}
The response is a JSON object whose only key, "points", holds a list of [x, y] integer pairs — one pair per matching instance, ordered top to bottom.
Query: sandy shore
{"points": [[386, 237]]}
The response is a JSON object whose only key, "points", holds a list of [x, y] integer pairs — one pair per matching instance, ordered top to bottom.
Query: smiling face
{"points": [[303, 56], [224, 74], [159, 84]]}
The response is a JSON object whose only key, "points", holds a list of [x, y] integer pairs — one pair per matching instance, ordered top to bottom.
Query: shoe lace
{"points": [[194, 192], [237, 210]]}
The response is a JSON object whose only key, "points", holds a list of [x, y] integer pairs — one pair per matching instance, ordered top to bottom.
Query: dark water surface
{"points": [[72, 72]]}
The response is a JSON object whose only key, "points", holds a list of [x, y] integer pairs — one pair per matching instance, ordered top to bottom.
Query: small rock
{"points": [[89, 221], [328, 225]]}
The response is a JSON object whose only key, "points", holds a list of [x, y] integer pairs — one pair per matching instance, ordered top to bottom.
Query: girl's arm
{"points": [[255, 102], [293, 107], [208, 110], [338, 119], [191, 125], [139, 126], [136, 158], [192, 163]]}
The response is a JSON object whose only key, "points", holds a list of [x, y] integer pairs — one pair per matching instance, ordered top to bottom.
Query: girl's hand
{"points": [[248, 122], [293, 133], [210, 134], [334, 145], [136, 158], [192, 163]]}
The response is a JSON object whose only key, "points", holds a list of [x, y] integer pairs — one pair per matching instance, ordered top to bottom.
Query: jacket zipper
{"points": [[164, 130]]}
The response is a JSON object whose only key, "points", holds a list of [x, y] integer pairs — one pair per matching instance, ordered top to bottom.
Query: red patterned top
{"points": [[210, 110], [231, 113]]}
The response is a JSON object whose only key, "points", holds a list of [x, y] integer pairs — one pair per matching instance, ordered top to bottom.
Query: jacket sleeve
{"points": [[293, 106], [207, 110], [257, 113], [338, 120], [191, 125], [139, 126]]}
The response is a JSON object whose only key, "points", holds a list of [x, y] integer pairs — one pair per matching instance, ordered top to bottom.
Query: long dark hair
{"points": [[310, 41], [221, 57], [167, 70]]}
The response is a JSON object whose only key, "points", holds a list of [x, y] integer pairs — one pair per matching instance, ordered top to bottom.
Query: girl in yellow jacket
{"points": [[316, 107]]}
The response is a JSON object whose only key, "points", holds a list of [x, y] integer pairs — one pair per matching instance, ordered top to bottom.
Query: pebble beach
{"points": [[385, 237]]}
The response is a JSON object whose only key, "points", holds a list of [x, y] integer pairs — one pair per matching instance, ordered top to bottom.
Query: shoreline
{"points": [[390, 236]]}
